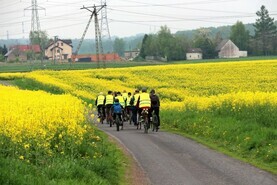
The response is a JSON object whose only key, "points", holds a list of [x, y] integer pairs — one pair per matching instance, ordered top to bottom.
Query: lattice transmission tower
{"points": [[35, 23], [105, 30], [98, 39]]}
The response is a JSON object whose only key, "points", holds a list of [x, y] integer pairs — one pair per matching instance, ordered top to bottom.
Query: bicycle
{"points": [[102, 117], [109, 117], [144, 120], [118, 122], [154, 122]]}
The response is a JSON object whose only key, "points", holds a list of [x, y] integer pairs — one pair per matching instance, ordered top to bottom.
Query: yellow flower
{"points": [[21, 157]]}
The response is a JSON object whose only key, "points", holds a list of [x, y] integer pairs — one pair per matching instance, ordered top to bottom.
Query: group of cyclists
{"points": [[128, 105]]}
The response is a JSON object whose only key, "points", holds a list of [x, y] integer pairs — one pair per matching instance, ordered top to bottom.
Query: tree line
{"points": [[174, 47]]}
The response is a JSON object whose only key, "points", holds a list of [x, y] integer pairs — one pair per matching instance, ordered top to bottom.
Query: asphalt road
{"points": [[169, 159]]}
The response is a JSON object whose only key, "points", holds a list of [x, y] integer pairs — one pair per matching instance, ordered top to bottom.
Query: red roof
{"points": [[24, 48]]}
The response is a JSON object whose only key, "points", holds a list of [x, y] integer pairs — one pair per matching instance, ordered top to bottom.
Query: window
{"points": [[61, 44], [58, 51]]}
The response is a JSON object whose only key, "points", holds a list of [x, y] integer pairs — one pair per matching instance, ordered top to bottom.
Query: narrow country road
{"points": [[169, 159]]}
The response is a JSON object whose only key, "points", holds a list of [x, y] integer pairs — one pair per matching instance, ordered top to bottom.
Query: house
{"points": [[227, 49], [59, 50], [20, 52], [194, 54], [129, 55], [93, 57]]}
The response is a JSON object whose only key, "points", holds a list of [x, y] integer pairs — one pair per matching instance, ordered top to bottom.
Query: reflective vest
{"points": [[125, 95], [136, 96], [109, 99], [100, 100], [121, 100], [128, 100], [144, 100]]}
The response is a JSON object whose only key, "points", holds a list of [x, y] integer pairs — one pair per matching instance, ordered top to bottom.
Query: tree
{"points": [[265, 31], [240, 36], [40, 38], [202, 40], [166, 41], [119, 46], [5, 50], [142, 52]]}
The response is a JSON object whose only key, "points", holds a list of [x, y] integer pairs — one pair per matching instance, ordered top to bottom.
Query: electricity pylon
{"points": [[35, 24], [105, 26], [98, 40]]}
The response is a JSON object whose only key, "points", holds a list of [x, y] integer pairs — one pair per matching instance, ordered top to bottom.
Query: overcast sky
{"points": [[65, 19]]}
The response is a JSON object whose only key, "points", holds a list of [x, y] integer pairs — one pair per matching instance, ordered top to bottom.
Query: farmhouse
{"points": [[227, 49], [59, 50], [20, 52], [194, 54], [129, 55]]}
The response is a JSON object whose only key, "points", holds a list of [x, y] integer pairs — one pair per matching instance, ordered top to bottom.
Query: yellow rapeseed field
{"points": [[180, 86], [38, 120]]}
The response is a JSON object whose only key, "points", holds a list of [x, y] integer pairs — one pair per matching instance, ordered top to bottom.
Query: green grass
{"points": [[38, 65], [245, 138], [106, 169]]}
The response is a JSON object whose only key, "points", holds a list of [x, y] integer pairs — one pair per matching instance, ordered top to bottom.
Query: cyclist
{"points": [[124, 95], [109, 100], [99, 102], [144, 102], [133, 103], [155, 105], [128, 107], [116, 109]]}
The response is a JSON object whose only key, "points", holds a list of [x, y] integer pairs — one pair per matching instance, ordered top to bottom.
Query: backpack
{"points": [[154, 99], [117, 108]]}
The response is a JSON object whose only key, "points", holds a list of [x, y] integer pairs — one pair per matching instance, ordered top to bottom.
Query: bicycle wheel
{"points": [[130, 117], [117, 121], [145, 121], [155, 122]]}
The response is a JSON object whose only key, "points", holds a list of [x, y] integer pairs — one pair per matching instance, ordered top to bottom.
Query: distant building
{"points": [[227, 49], [59, 50], [19, 52], [194, 54], [129, 55]]}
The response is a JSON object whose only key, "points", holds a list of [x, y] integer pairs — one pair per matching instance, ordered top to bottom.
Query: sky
{"points": [[66, 19]]}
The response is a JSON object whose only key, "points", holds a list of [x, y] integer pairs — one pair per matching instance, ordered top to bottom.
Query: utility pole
{"points": [[8, 35], [98, 40], [54, 48]]}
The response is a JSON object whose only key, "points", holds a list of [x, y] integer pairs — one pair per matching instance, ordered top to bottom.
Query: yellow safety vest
{"points": [[125, 95], [136, 96], [109, 99], [100, 100], [121, 100], [128, 100], [144, 100]]}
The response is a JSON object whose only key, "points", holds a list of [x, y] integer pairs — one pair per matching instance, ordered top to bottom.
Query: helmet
{"points": [[143, 89], [101, 93]]}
